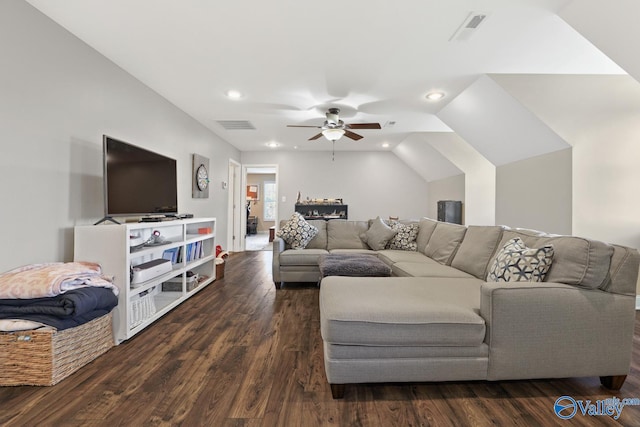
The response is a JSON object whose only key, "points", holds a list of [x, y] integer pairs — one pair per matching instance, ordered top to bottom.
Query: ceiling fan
{"points": [[333, 128]]}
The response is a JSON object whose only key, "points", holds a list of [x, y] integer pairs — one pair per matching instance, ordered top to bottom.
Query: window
{"points": [[269, 201]]}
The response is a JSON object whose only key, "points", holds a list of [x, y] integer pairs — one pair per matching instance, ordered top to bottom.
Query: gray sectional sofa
{"points": [[438, 318]]}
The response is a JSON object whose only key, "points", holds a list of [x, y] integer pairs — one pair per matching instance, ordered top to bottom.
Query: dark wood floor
{"points": [[241, 354]]}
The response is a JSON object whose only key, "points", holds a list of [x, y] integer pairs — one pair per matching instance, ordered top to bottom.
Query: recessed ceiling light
{"points": [[233, 94], [434, 96], [273, 144], [385, 145]]}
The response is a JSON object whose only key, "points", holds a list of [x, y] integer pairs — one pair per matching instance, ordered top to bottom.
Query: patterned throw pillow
{"points": [[297, 232], [405, 238], [517, 263]]}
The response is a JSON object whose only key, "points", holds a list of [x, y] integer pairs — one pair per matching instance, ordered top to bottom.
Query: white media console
{"points": [[188, 244]]}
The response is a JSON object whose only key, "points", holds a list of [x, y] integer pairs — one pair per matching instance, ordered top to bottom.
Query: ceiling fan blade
{"points": [[302, 126], [364, 126], [352, 135], [315, 137]]}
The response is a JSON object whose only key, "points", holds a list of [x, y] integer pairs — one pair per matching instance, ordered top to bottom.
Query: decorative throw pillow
{"points": [[297, 232], [378, 235], [405, 238], [517, 263]]}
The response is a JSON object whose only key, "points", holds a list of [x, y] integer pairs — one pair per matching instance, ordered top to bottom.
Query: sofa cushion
{"points": [[427, 226], [297, 232], [344, 234], [378, 234], [405, 237], [319, 241], [444, 242], [477, 247], [352, 251], [391, 256], [297, 257], [576, 261], [515, 262], [423, 269], [623, 270], [401, 311]]}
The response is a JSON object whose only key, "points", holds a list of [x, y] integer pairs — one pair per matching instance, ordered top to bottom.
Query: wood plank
{"points": [[241, 354]]}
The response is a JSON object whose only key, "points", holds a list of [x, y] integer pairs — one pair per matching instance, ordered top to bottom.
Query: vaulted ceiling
{"points": [[375, 60]]}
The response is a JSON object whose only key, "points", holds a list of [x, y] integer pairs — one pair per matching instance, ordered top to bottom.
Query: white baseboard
{"points": [[638, 302]]}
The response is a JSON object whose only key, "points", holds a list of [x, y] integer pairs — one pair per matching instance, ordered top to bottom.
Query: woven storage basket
{"points": [[46, 357]]}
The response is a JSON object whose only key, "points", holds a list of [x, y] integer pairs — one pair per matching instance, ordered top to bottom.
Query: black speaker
{"points": [[450, 211]]}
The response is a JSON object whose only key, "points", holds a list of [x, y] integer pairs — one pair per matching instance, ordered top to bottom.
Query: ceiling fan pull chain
{"points": [[333, 151]]}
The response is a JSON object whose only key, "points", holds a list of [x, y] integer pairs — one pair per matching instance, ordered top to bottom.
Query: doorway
{"points": [[260, 198]]}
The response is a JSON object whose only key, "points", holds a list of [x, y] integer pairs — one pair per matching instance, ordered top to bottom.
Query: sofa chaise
{"points": [[460, 305]]}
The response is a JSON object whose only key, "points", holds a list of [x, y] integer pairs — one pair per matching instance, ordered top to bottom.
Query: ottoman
{"points": [[355, 265], [401, 329]]}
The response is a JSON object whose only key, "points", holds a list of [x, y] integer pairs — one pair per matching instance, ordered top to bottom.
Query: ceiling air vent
{"points": [[469, 26], [236, 124]]}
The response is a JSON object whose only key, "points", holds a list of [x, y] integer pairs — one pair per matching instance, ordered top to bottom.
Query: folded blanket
{"points": [[51, 279], [72, 303], [68, 310], [62, 323], [13, 325]]}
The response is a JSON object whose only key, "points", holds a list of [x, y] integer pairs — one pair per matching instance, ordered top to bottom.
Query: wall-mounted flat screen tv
{"points": [[137, 181]]}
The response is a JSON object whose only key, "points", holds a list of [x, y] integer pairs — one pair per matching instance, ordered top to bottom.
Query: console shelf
{"points": [[322, 211], [141, 304]]}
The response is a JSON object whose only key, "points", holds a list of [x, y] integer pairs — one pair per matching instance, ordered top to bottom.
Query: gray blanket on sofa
{"points": [[358, 265]]}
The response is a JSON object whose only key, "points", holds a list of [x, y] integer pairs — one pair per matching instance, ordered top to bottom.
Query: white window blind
{"points": [[269, 213]]}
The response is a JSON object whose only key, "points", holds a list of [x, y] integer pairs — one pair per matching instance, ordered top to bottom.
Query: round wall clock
{"points": [[199, 177], [202, 177]]}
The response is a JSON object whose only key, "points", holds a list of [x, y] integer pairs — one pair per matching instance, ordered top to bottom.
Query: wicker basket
{"points": [[142, 308], [45, 357]]}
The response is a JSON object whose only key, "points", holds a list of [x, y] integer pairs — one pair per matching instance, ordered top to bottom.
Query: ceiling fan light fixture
{"points": [[333, 134]]}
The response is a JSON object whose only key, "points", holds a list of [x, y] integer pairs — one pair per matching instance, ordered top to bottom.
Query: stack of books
{"points": [[188, 253]]}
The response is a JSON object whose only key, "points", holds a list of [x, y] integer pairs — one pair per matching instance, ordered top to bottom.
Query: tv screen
{"points": [[137, 181]]}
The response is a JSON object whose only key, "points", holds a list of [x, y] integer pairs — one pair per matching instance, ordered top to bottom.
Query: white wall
{"points": [[611, 26], [58, 97], [600, 117], [498, 126], [420, 156], [479, 176], [606, 181], [371, 183], [451, 188], [536, 193]]}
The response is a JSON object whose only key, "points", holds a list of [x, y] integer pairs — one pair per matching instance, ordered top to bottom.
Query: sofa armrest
{"points": [[278, 245], [278, 248], [553, 330]]}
